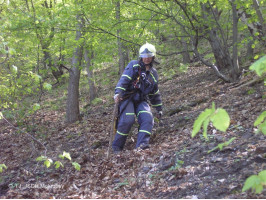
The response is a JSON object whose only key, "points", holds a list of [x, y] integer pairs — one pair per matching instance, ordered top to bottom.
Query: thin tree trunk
{"points": [[259, 14], [119, 43], [220, 52], [185, 55], [235, 71], [92, 89], [72, 107]]}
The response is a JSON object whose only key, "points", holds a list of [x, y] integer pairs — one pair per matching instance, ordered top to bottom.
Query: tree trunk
{"points": [[259, 14], [119, 43], [220, 52], [185, 55], [56, 71], [235, 71], [92, 88], [72, 107]]}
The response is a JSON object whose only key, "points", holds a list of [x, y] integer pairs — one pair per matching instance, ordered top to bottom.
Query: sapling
{"points": [[219, 118], [222, 145], [47, 161], [255, 182]]}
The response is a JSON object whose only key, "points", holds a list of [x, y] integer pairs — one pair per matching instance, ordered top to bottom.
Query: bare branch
{"points": [[33, 138]]}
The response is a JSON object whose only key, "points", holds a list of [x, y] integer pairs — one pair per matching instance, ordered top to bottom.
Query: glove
{"points": [[117, 98], [159, 114]]}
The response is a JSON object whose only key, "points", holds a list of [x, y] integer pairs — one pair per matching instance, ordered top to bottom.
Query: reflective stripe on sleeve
{"points": [[136, 65], [127, 76], [153, 78], [121, 88]]}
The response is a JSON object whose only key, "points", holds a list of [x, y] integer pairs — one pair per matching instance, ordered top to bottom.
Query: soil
{"points": [[175, 166]]}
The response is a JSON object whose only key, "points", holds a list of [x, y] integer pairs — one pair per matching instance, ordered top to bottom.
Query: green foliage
{"points": [[259, 66], [183, 68], [47, 86], [96, 101], [219, 118], [261, 122], [222, 145], [65, 155], [47, 161], [58, 164], [76, 165], [178, 165], [2, 167], [255, 182]]}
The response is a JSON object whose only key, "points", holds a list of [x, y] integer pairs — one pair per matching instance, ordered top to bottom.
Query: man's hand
{"points": [[117, 98]]}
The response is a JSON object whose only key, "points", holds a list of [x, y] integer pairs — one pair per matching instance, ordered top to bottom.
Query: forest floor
{"points": [[175, 166]]}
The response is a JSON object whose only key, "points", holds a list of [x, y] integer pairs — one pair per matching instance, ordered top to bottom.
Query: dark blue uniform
{"points": [[144, 86]]}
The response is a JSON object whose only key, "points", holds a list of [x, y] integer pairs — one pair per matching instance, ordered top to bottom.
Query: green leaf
{"points": [[259, 66], [14, 69], [36, 77], [47, 86], [36, 107], [1, 115], [260, 118], [221, 119], [198, 123], [263, 127], [230, 141], [220, 146], [67, 155], [41, 158], [48, 162], [58, 164], [76, 165], [2, 166], [262, 176], [251, 182], [258, 189]]}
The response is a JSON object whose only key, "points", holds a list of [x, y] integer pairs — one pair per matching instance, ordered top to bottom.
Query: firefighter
{"points": [[137, 85]]}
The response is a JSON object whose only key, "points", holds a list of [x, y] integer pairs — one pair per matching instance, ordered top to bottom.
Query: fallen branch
{"points": [[251, 82], [185, 107], [33, 138]]}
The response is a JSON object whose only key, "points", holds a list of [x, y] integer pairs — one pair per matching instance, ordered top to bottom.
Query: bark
{"points": [[259, 14], [119, 43], [250, 50], [220, 51], [185, 54], [235, 71], [92, 88], [72, 107]]}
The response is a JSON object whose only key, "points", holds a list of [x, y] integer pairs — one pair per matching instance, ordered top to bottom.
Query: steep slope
{"points": [[176, 166]]}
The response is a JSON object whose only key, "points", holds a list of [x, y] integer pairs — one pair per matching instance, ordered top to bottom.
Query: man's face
{"points": [[147, 61]]}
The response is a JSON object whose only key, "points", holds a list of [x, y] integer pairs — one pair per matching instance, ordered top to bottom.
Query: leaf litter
{"points": [[175, 166]]}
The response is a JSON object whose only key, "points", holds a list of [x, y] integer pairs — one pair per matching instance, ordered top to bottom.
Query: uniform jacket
{"points": [[145, 83]]}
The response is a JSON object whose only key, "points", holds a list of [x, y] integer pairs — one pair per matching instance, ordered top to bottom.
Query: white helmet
{"points": [[147, 50]]}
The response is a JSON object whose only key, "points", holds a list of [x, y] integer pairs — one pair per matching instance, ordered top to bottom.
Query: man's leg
{"points": [[126, 120], [145, 120]]}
